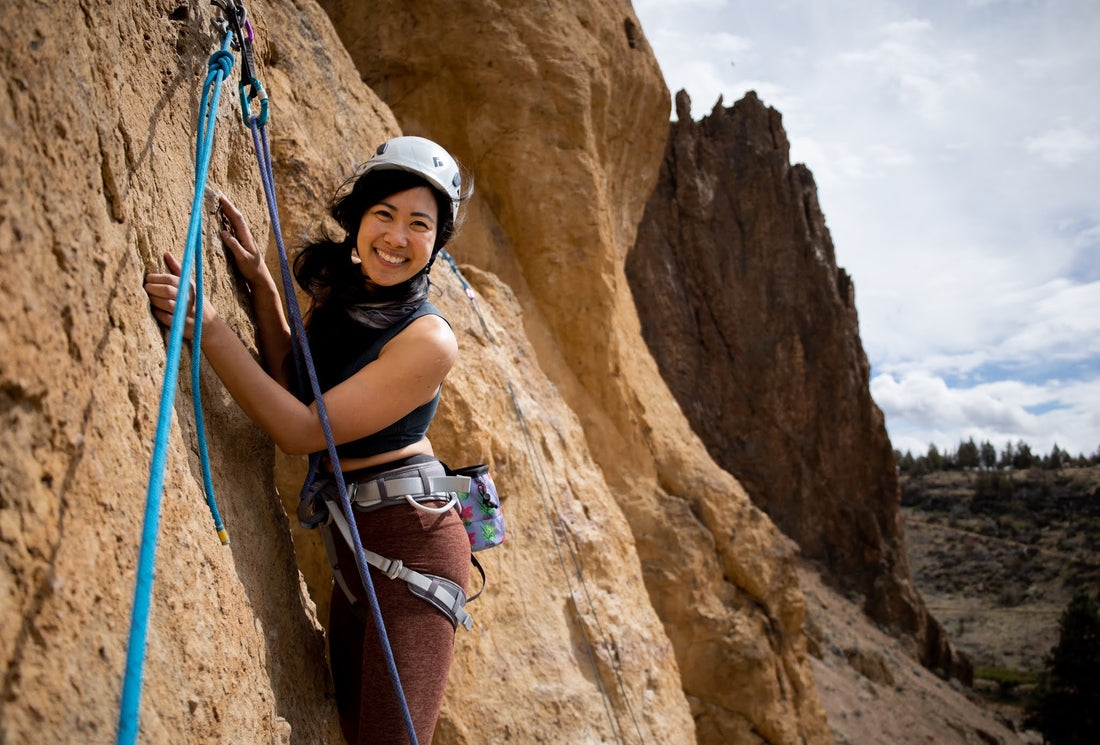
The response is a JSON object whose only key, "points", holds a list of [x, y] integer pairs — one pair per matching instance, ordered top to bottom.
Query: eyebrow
{"points": [[414, 214]]}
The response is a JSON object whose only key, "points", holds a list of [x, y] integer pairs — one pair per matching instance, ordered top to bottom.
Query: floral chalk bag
{"points": [[480, 509]]}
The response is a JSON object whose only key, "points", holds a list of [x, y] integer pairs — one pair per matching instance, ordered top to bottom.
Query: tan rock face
{"points": [[98, 108], [755, 328], [689, 599]]}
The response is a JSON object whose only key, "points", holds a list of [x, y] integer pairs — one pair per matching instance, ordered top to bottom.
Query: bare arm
{"points": [[271, 324], [406, 375]]}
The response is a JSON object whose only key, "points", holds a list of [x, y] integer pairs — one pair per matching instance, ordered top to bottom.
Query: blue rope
{"points": [[221, 62], [263, 157], [196, 398]]}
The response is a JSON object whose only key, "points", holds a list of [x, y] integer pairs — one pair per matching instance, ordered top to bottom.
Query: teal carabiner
{"points": [[257, 92]]}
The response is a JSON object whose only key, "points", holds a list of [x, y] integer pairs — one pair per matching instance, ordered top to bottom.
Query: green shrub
{"points": [[1066, 702]]}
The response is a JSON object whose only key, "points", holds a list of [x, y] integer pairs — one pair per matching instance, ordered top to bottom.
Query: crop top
{"points": [[408, 429]]}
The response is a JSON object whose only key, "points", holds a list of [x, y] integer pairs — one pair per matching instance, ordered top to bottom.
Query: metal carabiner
{"points": [[243, 36], [256, 92]]}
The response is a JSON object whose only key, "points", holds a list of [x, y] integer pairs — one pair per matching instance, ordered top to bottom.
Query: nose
{"points": [[397, 235]]}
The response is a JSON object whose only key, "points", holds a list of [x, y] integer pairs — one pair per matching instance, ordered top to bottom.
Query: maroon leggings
{"points": [[421, 636]]}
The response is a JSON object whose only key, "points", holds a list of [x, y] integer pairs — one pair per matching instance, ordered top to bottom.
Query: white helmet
{"points": [[424, 158]]}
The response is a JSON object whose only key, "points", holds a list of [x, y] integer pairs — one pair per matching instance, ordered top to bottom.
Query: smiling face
{"points": [[397, 235]]}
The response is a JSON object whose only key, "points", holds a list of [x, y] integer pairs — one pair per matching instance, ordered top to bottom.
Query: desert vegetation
{"points": [[970, 455], [998, 553], [1064, 704]]}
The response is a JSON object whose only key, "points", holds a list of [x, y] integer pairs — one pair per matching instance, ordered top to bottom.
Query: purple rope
{"points": [[298, 334]]}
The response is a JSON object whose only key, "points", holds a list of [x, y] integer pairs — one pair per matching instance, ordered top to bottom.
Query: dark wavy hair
{"points": [[324, 269]]}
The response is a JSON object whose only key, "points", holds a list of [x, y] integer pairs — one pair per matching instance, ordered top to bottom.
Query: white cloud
{"points": [[644, 6], [908, 28], [726, 43], [1062, 147], [890, 156], [1065, 324], [1052, 332], [928, 400], [926, 410]]}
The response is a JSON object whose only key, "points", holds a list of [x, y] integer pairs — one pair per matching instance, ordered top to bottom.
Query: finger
{"points": [[236, 219], [233, 244], [172, 263], [176, 268], [162, 279], [154, 281], [160, 294], [166, 298], [162, 307], [165, 319]]}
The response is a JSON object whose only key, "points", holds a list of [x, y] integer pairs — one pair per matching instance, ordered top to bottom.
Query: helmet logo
{"points": [[437, 162]]}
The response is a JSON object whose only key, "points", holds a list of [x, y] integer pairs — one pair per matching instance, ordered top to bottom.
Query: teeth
{"points": [[390, 258]]}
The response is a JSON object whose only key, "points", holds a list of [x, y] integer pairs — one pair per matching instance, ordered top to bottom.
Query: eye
{"points": [[382, 213], [421, 225]]}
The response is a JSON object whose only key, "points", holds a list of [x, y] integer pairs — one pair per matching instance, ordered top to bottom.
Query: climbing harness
{"points": [[221, 62], [419, 484], [469, 490], [558, 525]]}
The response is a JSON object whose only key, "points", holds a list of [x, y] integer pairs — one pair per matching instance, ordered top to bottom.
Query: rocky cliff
{"points": [[754, 327], [688, 624]]}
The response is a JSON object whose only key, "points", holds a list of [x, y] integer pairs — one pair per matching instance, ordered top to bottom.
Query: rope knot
{"points": [[221, 60]]}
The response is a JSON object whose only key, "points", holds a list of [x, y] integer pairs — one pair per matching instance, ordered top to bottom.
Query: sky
{"points": [[956, 150]]}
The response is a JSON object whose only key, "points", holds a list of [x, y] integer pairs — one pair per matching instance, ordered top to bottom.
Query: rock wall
{"points": [[98, 107], [754, 327], [689, 593]]}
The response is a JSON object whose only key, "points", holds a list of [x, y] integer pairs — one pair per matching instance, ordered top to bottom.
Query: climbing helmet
{"points": [[426, 159]]}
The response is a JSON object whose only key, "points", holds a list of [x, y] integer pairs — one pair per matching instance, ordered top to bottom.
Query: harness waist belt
{"points": [[368, 495]]}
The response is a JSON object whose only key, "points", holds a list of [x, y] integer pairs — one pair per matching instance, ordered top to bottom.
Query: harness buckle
{"points": [[394, 569]]}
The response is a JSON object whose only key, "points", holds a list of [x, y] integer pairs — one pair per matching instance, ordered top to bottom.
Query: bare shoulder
{"points": [[429, 335]]}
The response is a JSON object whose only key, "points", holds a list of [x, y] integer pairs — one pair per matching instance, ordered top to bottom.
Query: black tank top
{"points": [[405, 431]]}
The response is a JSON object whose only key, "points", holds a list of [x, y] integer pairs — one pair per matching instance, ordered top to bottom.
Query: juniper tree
{"points": [[1066, 704]]}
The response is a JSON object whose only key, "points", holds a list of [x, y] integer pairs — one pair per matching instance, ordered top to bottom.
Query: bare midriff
{"points": [[423, 447]]}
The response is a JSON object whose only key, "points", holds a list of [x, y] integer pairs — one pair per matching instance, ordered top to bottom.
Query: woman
{"points": [[382, 352]]}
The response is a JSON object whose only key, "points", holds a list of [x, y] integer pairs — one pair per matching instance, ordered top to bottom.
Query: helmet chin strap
{"points": [[428, 267]]}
